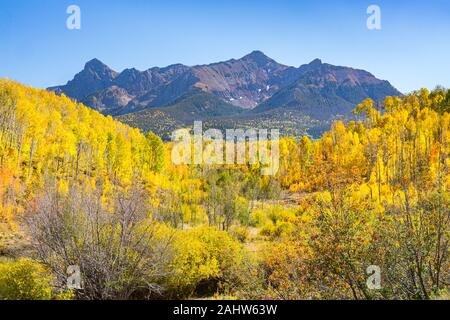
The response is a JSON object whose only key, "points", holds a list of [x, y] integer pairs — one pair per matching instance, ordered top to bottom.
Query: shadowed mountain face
{"points": [[95, 77], [245, 88], [322, 90]]}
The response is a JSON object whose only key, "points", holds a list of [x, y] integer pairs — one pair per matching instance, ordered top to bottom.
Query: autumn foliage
{"points": [[371, 191]]}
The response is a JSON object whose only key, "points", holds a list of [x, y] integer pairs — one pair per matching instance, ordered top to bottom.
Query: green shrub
{"points": [[257, 218], [268, 229], [277, 230], [241, 233], [205, 259], [25, 279]]}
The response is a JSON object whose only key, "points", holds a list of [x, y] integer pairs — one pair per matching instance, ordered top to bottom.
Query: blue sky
{"points": [[411, 50]]}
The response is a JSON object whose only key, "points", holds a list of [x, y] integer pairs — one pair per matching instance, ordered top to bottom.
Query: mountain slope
{"points": [[94, 77], [244, 82], [254, 88], [323, 90], [194, 106]]}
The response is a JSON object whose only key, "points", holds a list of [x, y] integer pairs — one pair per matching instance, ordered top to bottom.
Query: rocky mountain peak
{"points": [[259, 58], [315, 63], [99, 69], [254, 81]]}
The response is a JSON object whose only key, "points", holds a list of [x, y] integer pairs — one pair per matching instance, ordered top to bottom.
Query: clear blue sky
{"points": [[411, 51]]}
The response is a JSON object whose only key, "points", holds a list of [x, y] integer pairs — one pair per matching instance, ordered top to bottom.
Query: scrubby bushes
{"points": [[279, 222], [240, 233], [335, 242], [120, 251], [123, 253], [206, 260], [26, 279]]}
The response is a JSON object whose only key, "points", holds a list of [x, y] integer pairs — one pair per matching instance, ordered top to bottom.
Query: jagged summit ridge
{"points": [[254, 82]]}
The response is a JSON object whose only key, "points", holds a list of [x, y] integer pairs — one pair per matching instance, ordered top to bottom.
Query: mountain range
{"points": [[254, 90]]}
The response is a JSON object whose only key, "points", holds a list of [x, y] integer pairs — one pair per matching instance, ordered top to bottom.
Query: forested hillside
{"points": [[81, 189]]}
